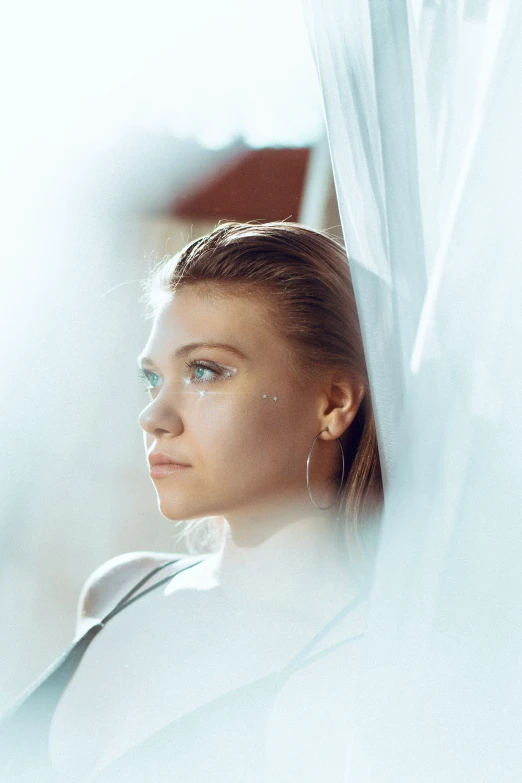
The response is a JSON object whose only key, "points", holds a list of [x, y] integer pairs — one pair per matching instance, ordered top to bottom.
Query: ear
{"points": [[339, 405]]}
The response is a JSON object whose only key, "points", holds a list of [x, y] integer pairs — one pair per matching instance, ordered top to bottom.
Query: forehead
{"points": [[202, 314]]}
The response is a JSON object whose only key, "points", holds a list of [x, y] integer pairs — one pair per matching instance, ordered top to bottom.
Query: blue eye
{"points": [[201, 372], [149, 378]]}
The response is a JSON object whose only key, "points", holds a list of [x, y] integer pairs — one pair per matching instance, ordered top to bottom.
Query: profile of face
{"points": [[225, 403]]}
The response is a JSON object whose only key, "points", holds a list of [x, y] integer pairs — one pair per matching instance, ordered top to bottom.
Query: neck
{"points": [[287, 559]]}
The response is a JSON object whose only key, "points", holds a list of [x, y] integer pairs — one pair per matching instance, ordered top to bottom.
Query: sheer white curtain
{"points": [[423, 105]]}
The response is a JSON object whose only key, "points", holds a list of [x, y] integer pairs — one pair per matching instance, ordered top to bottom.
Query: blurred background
{"points": [[127, 131]]}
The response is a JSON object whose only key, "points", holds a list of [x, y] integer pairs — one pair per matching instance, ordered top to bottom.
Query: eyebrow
{"points": [[186, 349]]}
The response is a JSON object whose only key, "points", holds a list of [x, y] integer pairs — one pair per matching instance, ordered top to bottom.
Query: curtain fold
{"points": [[423, 106], [377, 183]]}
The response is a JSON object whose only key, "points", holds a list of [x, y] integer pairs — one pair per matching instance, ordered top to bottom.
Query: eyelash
{"points": [[215, 369], [144, 375]]}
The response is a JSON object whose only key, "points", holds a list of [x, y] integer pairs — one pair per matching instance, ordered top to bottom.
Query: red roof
{"points": [[265, 184]]}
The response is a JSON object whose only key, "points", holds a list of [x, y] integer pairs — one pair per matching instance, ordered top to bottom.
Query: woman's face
{"points": [[226, 404]]}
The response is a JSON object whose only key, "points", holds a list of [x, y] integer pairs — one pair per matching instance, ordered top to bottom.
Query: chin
{"points": [[181, 512], [175, 515]]}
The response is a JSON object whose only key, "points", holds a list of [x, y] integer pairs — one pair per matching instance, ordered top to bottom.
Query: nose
{"points": [[159, 418]]}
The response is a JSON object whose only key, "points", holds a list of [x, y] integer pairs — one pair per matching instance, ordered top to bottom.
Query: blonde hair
{"points": [[305, 277]]}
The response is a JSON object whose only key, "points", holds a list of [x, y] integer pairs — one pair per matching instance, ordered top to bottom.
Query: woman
{"points": [[260, 417]]}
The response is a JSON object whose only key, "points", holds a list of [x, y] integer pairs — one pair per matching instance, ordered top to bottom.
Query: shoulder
{"points": [[112, 580]]}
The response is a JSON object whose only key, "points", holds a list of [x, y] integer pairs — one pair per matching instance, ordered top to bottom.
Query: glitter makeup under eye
{"points": [[218, 373]]}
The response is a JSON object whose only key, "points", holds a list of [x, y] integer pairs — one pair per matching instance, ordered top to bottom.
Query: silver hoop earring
{"points": [[323, 508]]}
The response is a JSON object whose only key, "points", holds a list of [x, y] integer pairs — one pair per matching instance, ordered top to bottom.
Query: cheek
{"points": [[242, 438]]}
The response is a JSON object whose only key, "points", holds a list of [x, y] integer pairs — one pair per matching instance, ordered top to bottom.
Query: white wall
{"points": [[75, 485]]}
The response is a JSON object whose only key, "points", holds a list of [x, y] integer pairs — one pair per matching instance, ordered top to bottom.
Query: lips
{"points": [[158, 458]]}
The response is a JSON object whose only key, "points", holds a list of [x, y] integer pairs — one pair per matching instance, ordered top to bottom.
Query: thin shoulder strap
{"points": [[129, 597], [302, 658], [301, 663], [61, 670], [24, 727]]}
